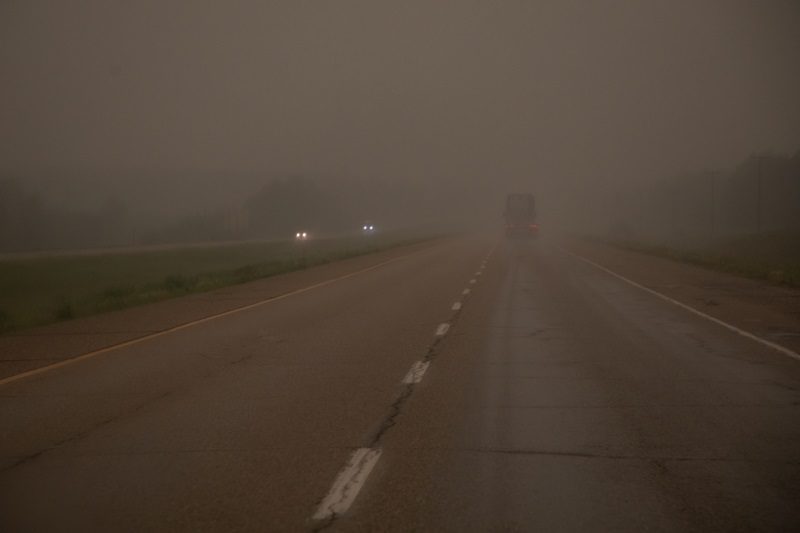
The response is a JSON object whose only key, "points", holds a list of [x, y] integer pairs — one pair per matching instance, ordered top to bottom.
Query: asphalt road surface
{"points": [[470, 384]]}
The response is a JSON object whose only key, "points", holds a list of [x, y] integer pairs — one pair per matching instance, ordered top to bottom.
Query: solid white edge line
{"points": [[456, 306], [442, 329], [743, 333], [416, 372], [348, 483]]}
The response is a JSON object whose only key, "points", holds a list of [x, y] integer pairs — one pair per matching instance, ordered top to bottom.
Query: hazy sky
{"points": [[558, 92]]}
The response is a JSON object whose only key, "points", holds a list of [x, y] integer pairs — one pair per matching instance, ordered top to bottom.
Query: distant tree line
{"points": [[760, 195], [285, 205], [334, 206], [276, 210], [27, 222]]}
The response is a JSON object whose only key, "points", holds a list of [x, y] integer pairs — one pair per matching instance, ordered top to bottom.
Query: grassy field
{"points": [[774, 257], [40, 290]]}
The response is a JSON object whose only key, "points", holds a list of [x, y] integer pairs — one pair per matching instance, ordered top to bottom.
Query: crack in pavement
{"points": [[396, 406], [395, 409], [78, 436], [623, 457], [347, 485]]}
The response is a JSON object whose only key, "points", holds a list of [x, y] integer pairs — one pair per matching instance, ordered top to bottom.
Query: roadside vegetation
{"points": [[773, 257], [40, 290]]}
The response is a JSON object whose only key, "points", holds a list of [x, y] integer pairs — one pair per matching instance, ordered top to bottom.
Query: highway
{"points": [[463, 384]]}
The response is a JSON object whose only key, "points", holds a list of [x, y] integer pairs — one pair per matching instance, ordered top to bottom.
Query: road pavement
{"points": [[472, 384]]}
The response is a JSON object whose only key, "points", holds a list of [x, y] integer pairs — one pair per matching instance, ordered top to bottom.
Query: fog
{"points": [[122, 122]]}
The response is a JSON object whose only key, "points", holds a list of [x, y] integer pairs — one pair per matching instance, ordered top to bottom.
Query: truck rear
{"points": [[520, 215]]}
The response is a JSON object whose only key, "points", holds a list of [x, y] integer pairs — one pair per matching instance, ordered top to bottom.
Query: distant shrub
{"points": [[245, 273], [178, 282], [117, 293], [115, 297]]}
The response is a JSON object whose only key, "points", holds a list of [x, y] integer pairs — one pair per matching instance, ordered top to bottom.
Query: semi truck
{"points": [[520, 215]]}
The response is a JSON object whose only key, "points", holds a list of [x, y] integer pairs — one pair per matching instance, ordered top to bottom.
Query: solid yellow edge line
{"points": [[137, 340]]}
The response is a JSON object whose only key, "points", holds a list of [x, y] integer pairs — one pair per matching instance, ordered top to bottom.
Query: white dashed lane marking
{"points": [[417, 371], [351, 478], [348, 483]]}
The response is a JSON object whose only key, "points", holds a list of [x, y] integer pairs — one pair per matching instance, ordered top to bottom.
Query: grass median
{"points": [[773, 257], [44, 289]]}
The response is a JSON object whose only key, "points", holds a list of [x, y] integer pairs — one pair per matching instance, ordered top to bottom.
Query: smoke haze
{"points": [[183, 107]]}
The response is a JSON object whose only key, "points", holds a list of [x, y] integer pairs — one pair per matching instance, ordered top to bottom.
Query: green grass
{"points": [[774, 257], [41, 290]]}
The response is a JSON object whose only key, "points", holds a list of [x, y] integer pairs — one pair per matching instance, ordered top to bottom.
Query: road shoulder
{"points": [[768, 311], [35, 348]]}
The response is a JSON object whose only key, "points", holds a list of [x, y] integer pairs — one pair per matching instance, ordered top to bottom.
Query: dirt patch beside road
{"points": [[766, 310]]}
